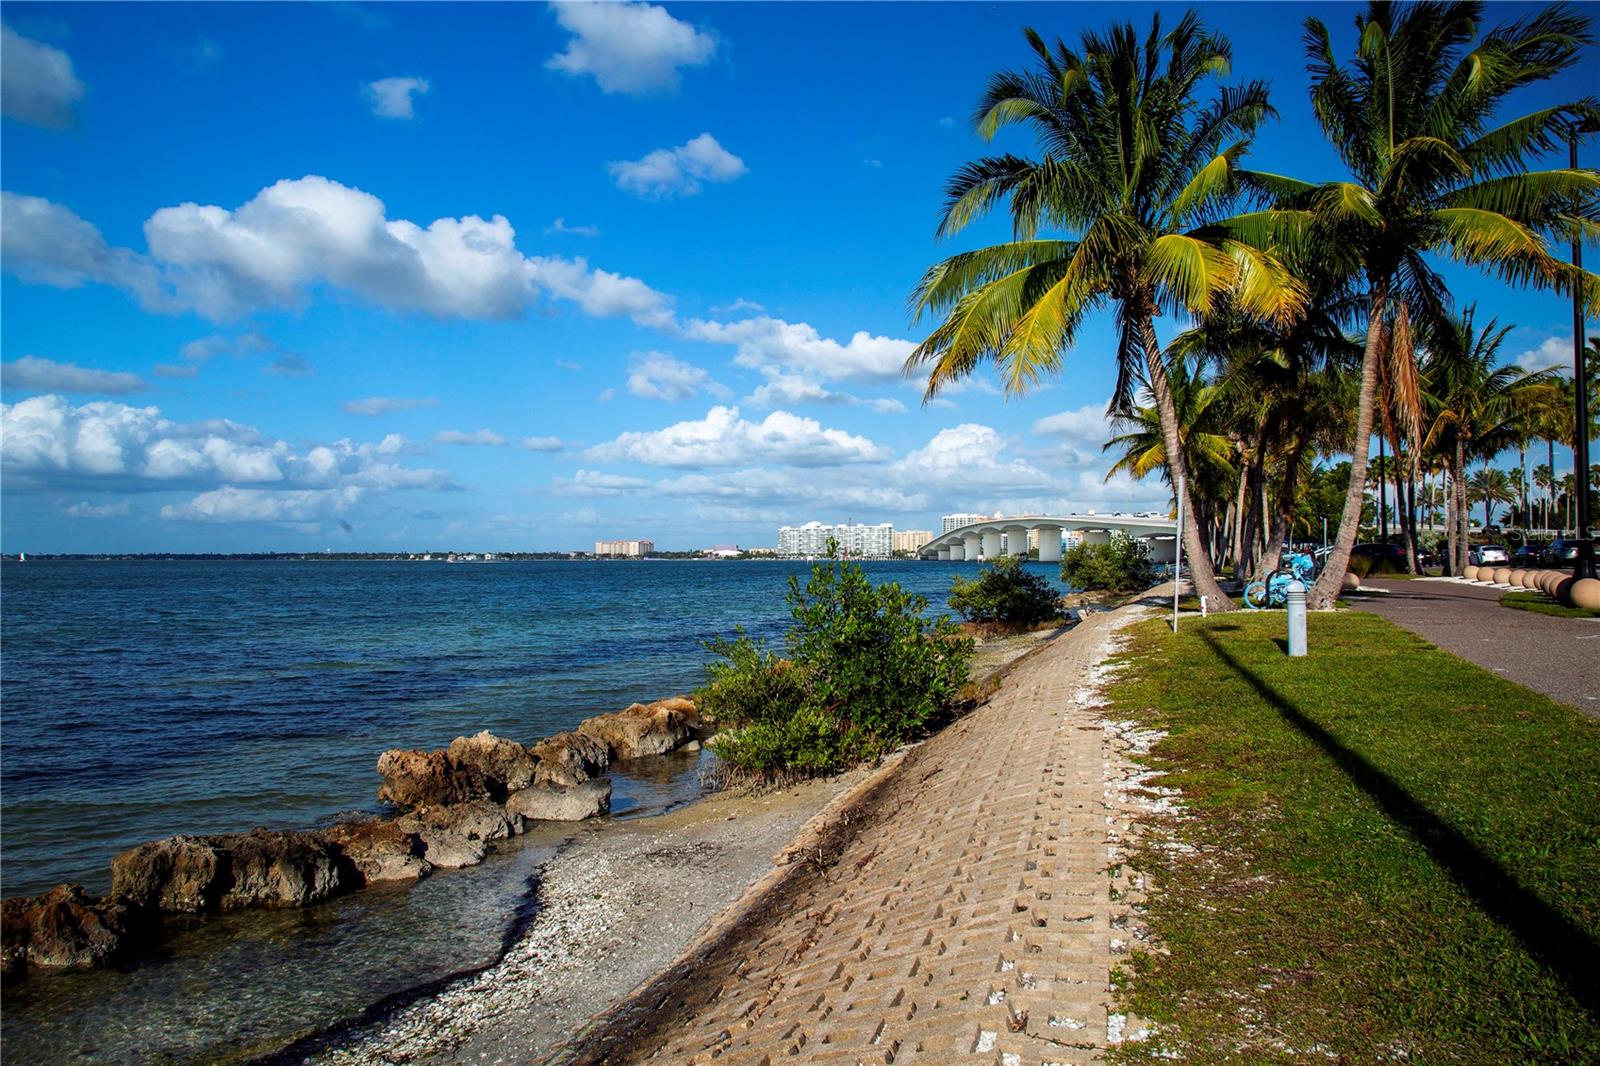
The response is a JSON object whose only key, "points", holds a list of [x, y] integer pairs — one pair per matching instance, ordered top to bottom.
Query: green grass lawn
{"points": [[1539, 603], [1396, 855]]}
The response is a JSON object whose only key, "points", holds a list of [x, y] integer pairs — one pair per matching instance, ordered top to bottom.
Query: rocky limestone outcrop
{"points": [[646, 728], [567, 759], [503, 765], [413, 778], [551, 803], [459, 835], [379, 851], [229, 872], [62, 929]]}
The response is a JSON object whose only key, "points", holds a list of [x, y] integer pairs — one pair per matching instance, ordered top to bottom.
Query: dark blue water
{"points": [[146, 698], [143, 699]]}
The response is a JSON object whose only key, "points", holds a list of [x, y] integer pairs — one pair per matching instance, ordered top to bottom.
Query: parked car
{"points": [[1561, 553], [1490, 555], [1529, 555], [1375, 558]]}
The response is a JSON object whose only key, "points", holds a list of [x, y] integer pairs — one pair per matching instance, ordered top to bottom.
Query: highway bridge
{"points": [[983, 540]]}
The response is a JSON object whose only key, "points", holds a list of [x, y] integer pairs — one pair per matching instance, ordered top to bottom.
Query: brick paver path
{"points": [[970, 918]]}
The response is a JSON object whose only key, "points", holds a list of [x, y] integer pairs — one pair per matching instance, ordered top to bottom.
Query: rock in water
{"points": [[645, 729], [567, 759], [504, 765], [424, 778], [571, 804], [458, 835], [379, 851], [268, 869], [228, 872], [179, 874], [62, 929]]}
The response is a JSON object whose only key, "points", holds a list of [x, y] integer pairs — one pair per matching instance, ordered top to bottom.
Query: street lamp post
{"points": [[1584, 565]]}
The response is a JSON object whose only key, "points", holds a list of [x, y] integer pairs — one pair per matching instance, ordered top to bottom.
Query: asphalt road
{"points": [[1559, 657]]}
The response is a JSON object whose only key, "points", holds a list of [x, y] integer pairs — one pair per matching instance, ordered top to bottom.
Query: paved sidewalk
{"points": [[1559, 657], [972, 913]]}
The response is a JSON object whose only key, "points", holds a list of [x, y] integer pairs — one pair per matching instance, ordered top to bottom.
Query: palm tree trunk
{"points": [[1383, 487], [1405, 488], [1459, 488], [1550, 493], [1451, 562], [1200, 570], [1326, 591]]}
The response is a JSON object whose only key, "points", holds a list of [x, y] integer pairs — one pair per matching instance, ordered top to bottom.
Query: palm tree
{"points": [[1411, 119], [1136, 173], [1473, 407], [1207, 453], [1544, 478], [1490, 486]]}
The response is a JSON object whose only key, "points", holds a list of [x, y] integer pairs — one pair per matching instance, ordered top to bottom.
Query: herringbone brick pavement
{"points": [[973, 915]]}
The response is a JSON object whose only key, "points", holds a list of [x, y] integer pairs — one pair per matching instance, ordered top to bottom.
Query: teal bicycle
{"points": [[1274, 591]]}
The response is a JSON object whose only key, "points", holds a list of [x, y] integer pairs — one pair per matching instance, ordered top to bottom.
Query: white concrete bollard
{"points": [[1297, 619]]}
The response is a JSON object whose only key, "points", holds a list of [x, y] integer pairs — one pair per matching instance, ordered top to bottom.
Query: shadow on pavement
{"points": [[1546, 933]]}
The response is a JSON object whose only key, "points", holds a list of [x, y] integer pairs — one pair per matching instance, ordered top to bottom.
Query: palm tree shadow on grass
{"points": [[1547, 934]]}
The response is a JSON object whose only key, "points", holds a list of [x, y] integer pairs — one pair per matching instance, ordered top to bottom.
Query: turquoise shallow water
{"points": [[146, 698]]}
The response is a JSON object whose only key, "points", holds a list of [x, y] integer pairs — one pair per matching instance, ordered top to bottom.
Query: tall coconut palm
{"points": [[1414, 119], [1135, 175], [1474, 407], [1208, 453], [1544, 478], [1490, 486]]}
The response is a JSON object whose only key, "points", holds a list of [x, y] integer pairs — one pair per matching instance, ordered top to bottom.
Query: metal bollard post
{"points": [[1297, 618]]}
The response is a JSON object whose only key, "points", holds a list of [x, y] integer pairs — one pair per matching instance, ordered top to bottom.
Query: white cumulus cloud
{"points": [[628, 47], [37, 83], [394, 97], [677, 171], [308, 232], [773, 343], [1553, 352], [47, 375], [658, 376], [474, 437], [723, 438], [51, 444], [543, 444], [231, 504]]}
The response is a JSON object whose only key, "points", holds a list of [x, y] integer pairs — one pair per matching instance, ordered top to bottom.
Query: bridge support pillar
{"points": [[1017, 540], [991, 544], [1049, 544], [973, 547], [1162, 549], [944, 555]]}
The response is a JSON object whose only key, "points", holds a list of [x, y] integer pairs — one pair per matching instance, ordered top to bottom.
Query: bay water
{"points": [[143, 698]]}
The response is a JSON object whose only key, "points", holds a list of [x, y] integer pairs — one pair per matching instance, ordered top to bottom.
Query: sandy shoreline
{"points": [[619, 904]]}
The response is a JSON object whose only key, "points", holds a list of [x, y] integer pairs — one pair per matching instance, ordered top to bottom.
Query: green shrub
{"points": [[1121, 565], [1005, 594], [866, 672]]}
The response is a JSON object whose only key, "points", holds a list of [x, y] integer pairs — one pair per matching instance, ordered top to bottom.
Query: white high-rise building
{"points": [[956, 521], [855, 541]]}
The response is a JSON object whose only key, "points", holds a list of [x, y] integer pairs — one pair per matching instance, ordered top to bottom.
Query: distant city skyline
{"points": [[542, 288]]}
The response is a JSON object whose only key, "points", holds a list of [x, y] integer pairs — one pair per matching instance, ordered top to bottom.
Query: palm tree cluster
{"points": [[1311, 314]]}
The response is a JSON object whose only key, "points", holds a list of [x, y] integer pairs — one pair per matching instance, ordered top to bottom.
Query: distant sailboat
{"points": [[22, 557]]}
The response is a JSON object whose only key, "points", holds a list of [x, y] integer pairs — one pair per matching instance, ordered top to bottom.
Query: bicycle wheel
{"points": [[1256, 595]]}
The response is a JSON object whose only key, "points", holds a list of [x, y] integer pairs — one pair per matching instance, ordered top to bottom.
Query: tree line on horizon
{"points": [[1314, 310]]}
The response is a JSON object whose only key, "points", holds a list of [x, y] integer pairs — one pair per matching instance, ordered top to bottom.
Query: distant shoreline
{"points": [[417, 557]]}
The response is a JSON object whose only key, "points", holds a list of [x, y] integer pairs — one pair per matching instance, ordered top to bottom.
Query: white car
{"points": [[1489, 553]]}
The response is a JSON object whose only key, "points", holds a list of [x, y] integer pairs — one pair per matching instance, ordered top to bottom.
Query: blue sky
{"points": [[517, 276]]}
